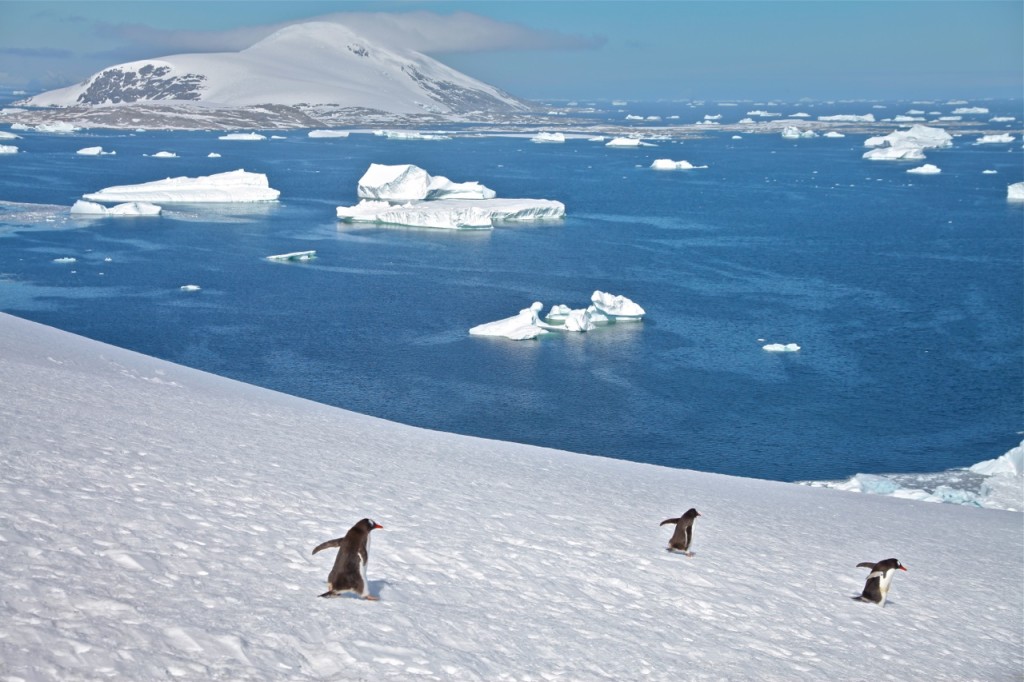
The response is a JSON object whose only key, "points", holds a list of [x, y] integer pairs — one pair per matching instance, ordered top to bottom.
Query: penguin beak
{"points": [[377, 525], [902, 567]]}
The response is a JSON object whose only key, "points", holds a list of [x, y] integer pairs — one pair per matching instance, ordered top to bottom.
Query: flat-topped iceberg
{"points": [[848, 118], [327, 133], [4, 135], [249, 137], [548, 138], [995, 139], [627, 143], [8, 149], [93, 151], [669, 164], [926, 169], [406, 182], [237, 186], [1015, 192], [131, 208], [452, 213], [295, 256], [616, 307], [521, 327], [781, 347]]}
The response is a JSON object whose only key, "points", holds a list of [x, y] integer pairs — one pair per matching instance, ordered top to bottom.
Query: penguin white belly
{"points": [[362, 568], [884, 581]]}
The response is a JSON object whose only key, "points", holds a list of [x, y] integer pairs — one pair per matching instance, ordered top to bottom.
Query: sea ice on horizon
{"points": [[237, 186], [131, 208]]}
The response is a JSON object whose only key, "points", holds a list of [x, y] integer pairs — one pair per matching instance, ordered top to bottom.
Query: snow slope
{"points": [[311, 63], [157, 522]]}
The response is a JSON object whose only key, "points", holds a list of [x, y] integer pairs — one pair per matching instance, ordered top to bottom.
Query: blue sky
{"points": [[724, 49]]}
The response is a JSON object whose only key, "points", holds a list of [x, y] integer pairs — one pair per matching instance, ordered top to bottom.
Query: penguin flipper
{"points": [[675, 521], [327, 545], [866, 564]]}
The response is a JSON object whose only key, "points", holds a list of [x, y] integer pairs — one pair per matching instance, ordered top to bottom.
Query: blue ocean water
{"points": [[904, 292]]}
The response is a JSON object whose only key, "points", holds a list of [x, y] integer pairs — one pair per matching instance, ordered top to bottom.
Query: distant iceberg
{"points": [[970, 110], [848, 118], [55, 127], [327, 133], [794, 133], [834, 134], [4, 135], [410, 135], [243, 136], [920, 136], [548, 138], [995, 139], [627, 142], [8, 149], [93, 151], [895, 154], [164, 155], [213, 155], [669, 164], [926, 169], [406, 182], [237, 186], [1015, 192], [131, 208], [452, 213], [295, 256], [190, 287], [616, 307], [521, 327], [781, 347]]}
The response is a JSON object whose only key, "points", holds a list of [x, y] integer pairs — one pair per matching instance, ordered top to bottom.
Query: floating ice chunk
{"points": [[970, 110], [763, 114], [634, 117], [849, 118], [907, 119], [1002, 119], [56, 127], [327, 133], [794, 133], [834, 134], [4, 135], [410, 135], [247, 137], [737, 137], [923, 137], [548, 138], [596, 138], [995, 139], [628, 142], [8, 149], [93, 151], [901, 153], [164, 155], [213, 155], [669, 164], [926, 169], [989, 172], [406, 182], [236, 186], [1015, 192], [131, 208], [453, 213], [295, 257], [65, 259], [190, 287], [616, 307], [558, 313], [568, 319], [518, 327], [781, 347], [1010, 463]]}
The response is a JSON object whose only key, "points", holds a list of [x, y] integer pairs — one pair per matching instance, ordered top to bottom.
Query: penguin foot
{"points": [[370, 597]]}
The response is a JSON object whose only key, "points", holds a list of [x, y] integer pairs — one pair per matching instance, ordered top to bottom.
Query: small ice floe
{"points": [[970, 110], [849, 118], [1002, 119], [327, 133], [794, 133], [834, 134], [4, 135], [410, 135], [246, 137], [737, 137], [542, 138], [1002, 138], [627, 143], [8, 149], [93, 151], [900, 153], [164, 155], [213, 155], [669, 164], [926, 169], [989, 172], [406, 182], [236, 186], [1015, 192], [131, 208], [294, 257], [65, 259], [190, 287], [616, 307], [521, 327], [781, 347]]}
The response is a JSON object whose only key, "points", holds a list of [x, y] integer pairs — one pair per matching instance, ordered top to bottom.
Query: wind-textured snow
{"points": [[237, 186], [157, 522]]}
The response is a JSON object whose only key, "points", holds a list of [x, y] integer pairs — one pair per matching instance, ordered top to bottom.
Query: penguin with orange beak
{"points": [[349, 572], [876, 589]]}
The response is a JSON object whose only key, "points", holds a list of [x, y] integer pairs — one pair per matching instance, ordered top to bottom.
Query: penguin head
{"points": [[691, 514], [372, 524]]}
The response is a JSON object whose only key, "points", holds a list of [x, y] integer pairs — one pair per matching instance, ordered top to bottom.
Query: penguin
{"points": [[683, 535], [349, 572], [876, 589]]}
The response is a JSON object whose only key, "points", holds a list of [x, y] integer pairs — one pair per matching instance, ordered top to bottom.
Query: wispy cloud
{"points": [[423, 31], [36, 52]]}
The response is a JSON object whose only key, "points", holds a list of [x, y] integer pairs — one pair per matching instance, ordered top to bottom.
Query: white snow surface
{"points": [[406, 182], [237, 186], [131, 208], [157, 522]]}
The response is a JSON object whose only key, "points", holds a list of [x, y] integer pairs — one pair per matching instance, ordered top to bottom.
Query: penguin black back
{"points": [[683, 535], [349, 571]]}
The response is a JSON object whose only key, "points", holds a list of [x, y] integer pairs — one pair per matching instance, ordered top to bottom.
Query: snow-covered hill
{"points": [[314, 63], [157, 522]]}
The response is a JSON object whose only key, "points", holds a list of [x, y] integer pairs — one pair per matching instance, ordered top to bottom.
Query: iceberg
{"points": [[970, 110], [848, 118], [994, 119], [56, 127], [327, 133], [794, 133], [834, 134], [4, 135], [243, 136], [923, 137], [542, 138], [995, 139], [627, 142], [8, 149], [93, 151], [902, 153], [164, 155], [213, 155], [669, 164], [926, 169], [406, 182], [237, 186], [1015, 192], [131, 208], [452, 213], [295, 256], [65, 259], [190, 287], [616, 307], [564, 318], [519, 327], [781, 347]]}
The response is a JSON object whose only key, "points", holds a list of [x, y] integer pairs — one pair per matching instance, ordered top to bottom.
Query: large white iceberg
{"points": [[922, 137], [548, 138], [995, 139], [627, 142], [93, 151], [669, 164], [406, 182], [237, 186], [1015, 192], [131, 208], [452, 213], [616, 307], [521, 327]]}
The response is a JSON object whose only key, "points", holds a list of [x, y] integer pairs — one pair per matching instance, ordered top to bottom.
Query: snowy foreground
{"points": [[157, 522]]}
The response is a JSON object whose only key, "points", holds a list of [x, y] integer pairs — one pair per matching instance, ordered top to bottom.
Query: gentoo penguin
{"points": [[681, 539], [349, 572], [876, 589]]}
